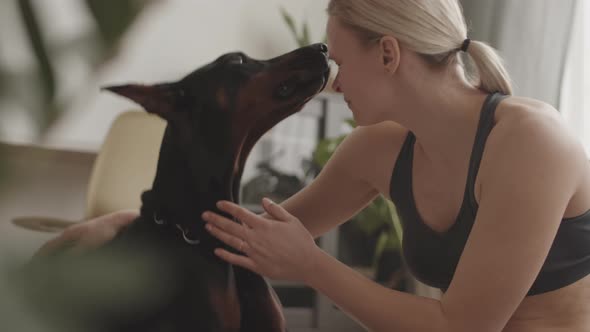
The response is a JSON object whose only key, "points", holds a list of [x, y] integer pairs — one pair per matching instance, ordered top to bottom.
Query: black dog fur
{"points": [[214, 117]]}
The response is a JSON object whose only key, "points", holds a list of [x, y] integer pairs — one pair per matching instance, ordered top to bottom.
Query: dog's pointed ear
{"points": [[159, 99]]}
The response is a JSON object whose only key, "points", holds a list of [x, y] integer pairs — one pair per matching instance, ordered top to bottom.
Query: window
{"points": [[575, 102]]}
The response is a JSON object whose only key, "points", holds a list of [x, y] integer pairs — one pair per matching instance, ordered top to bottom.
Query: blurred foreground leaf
{"points": [[64, 293]]}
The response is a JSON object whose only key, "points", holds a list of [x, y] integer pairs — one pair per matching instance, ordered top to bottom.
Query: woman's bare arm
{"points": [[347, 183], [89, 234]]}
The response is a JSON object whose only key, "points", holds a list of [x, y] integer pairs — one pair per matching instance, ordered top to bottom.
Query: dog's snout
{"points": [[320, 47]]}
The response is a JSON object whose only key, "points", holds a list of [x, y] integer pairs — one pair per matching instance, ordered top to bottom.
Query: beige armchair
{"points": [[124, 167]]}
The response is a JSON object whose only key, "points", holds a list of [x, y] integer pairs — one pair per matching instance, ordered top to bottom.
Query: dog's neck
{"points": [[187, 183]]}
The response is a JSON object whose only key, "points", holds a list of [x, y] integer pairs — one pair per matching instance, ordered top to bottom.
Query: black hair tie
{"points": [[465, 45]]}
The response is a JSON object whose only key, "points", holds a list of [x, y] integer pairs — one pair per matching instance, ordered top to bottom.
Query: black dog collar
{"points": [[183, 231]]}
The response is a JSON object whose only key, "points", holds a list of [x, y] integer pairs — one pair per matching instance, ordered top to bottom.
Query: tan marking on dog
{"points": [[222, 99], [226, 305]]}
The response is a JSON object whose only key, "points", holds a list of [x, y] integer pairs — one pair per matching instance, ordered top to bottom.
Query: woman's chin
{"points": [[359, 121], [363, 121]]}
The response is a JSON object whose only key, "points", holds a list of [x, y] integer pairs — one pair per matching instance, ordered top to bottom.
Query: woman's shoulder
{"points": [[514, 109], [523, 118], [527, 129], [531, 146]]}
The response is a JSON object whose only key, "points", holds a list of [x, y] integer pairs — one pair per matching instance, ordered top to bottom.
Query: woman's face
{"points": [[362, 76]]}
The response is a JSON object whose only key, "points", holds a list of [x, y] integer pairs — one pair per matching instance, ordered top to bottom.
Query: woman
{"points": [[492, 190]]}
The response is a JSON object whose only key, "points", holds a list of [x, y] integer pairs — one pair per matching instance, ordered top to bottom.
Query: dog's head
{"points": [[231, 102]]}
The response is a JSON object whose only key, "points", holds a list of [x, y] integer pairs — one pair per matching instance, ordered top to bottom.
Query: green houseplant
{"points": [[301, 35], [42, 84]]}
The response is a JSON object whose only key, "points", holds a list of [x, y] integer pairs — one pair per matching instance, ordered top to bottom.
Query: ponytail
{"points": [[491, 73]]}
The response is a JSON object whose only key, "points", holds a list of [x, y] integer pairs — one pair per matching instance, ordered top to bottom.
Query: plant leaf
{"points": [[290, 23], [305, 39], [46, 71], [351, 123], [397, 226]]}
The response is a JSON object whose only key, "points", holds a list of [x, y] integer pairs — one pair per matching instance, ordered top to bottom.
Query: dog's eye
{"points": [[236, 59], [285, 90]]}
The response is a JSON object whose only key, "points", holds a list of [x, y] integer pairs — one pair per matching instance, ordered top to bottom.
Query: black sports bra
{"points": [[432, 257]]}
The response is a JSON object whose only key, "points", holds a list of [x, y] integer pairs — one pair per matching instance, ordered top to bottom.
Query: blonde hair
{"points": [[435, 29]]}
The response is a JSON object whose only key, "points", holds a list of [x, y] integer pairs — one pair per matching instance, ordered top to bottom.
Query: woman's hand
{"points": [[90, 234], [278, 248]]}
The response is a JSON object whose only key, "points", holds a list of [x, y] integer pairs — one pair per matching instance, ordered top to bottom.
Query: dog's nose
{"points": [[321, 47]]}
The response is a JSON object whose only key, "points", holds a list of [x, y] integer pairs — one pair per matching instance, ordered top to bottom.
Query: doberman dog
{"points": [[214, 117]]}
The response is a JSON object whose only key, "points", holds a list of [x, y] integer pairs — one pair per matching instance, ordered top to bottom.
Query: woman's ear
{"points": [[390, 53]]}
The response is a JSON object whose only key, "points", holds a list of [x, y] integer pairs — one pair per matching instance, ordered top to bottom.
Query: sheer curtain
{"points": [[532, 36], [575, 103]]}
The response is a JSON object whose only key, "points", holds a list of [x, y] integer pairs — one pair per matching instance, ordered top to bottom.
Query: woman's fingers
{"points": [[276, 211], [243, 215], [226, 225], [227, 231], [229, 239], [62, 241], [243, 261]]}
